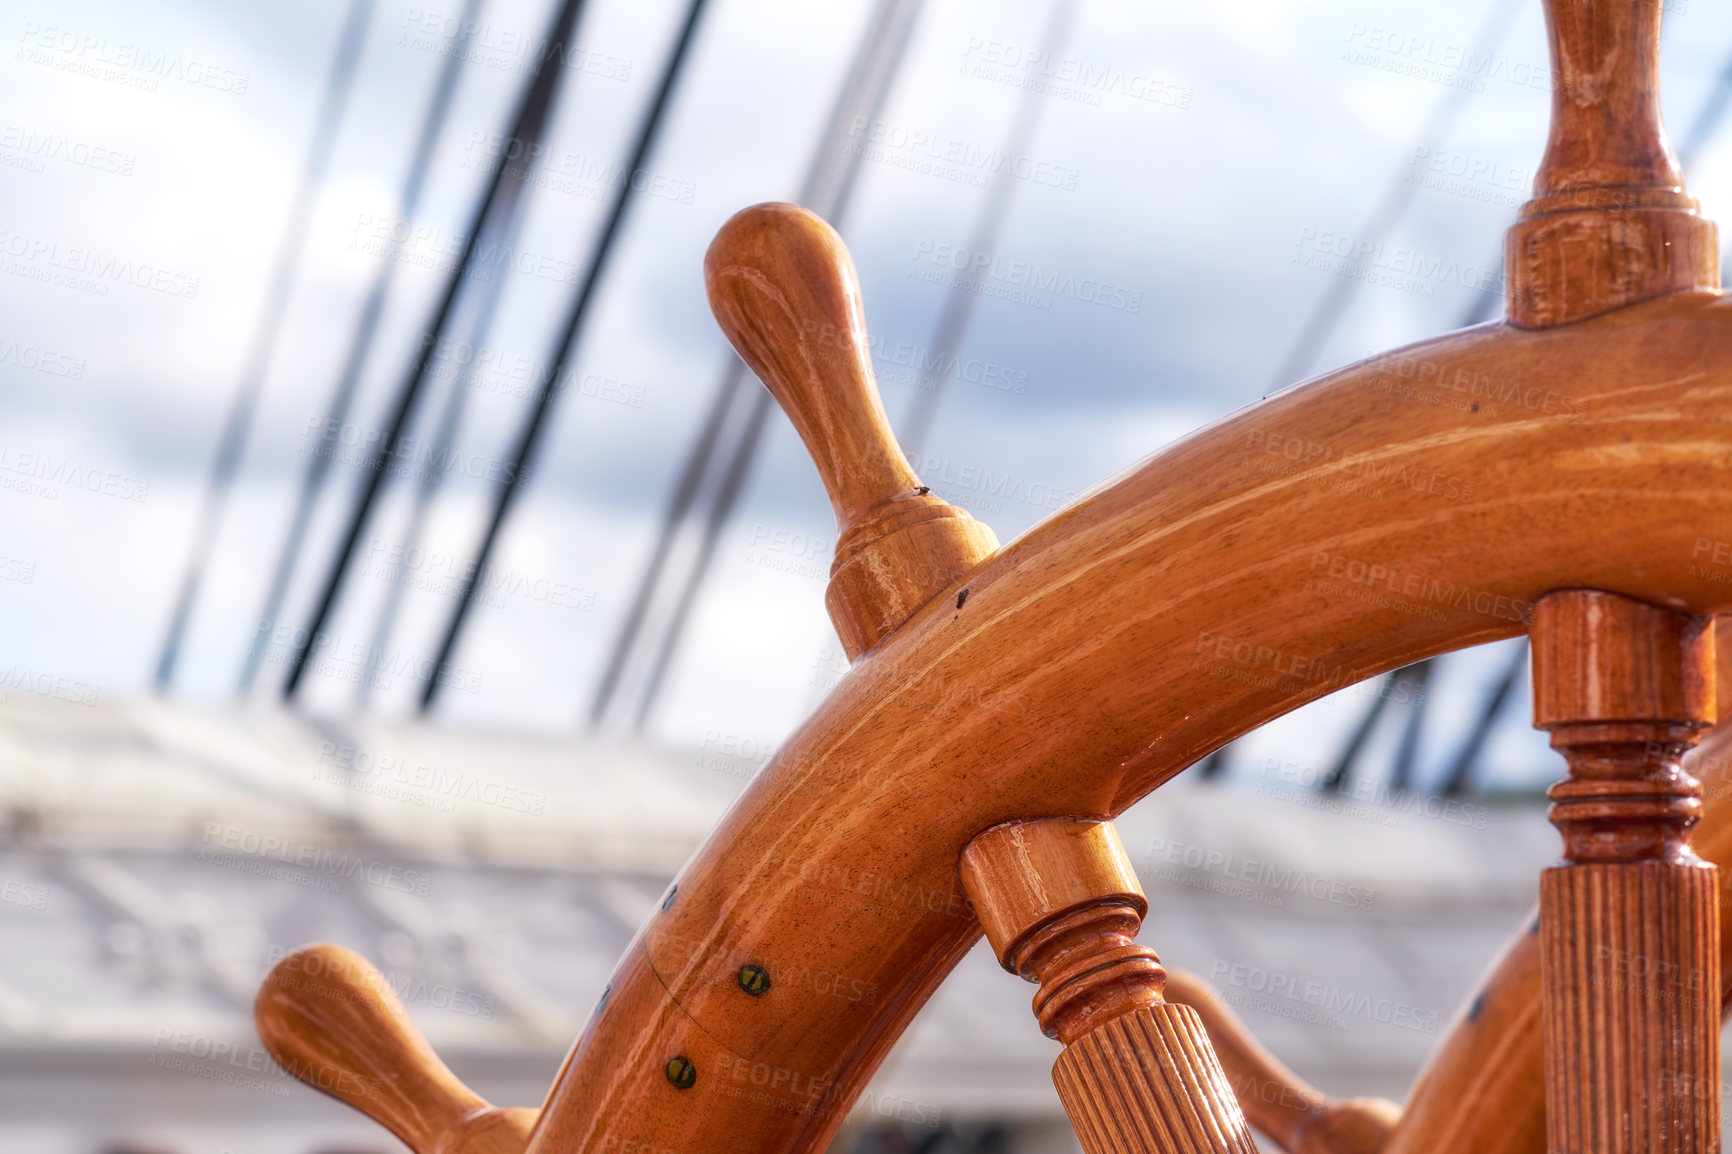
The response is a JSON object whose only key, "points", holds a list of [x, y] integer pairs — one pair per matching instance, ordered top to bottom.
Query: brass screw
{"points": [[755, 980], [682, 1073]]}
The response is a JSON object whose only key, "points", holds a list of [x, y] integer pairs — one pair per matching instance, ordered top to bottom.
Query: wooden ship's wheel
{"points": [[1006, 703]]}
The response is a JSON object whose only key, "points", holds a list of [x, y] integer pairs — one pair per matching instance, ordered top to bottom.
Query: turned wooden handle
{"points": [[785, 292], [333, 1021], [1299, 1118]]}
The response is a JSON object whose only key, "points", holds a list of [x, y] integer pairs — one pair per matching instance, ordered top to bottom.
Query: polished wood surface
{"points": [[1609, 223], [784, 289], [1415, 503], [1212, 604], [1133, 632], [1600, 659], [1624, 689], [1710, 763], [1022, 875], [1061, 905], [1629, 923], [1090, 969], [1631, 1010], [333, 1021], [1149, 1081], [1483, 1089], [1480, 1092], [1477, 1093], [1297, 1117]]}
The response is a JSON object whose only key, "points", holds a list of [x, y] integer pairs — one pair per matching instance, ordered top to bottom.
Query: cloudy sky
{"points": [[1208, 161]]}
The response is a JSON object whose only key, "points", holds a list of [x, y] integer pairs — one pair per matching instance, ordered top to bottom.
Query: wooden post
{"points": [[1061, 906], [1630, 922]]}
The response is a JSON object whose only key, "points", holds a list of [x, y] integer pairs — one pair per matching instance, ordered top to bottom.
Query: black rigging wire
{"points": [[527, 125], [827, 190], [959, 305], [1332, 305], [360, 345], [232, 443], [444, 444], [523, 452], [733, 481], [679, 507], [1407, 751], [1460, 776], [1335, 781]]}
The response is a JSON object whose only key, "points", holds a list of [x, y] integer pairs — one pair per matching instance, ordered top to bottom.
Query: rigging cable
{"points": [[527, 125], [827, 190], [1332, 305], [959, 306], [956, 316], [360, 345], [528, 439], [232, 442], [433, 475], [1459, 777]]}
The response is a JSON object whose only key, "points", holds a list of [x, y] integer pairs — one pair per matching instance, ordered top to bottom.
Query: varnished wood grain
{"points": [[784, 290], [1416, 503], [1190, 601], [1130, 616], [1663, 666], [1624, 688], [1061, 905], [1629, 923], [1630, 961], [1149, 1081], [1477, 1094]]}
